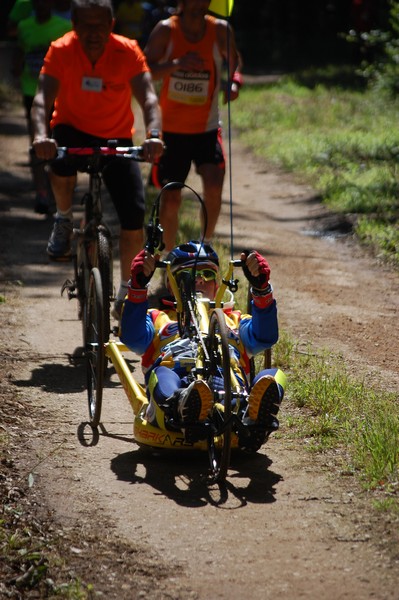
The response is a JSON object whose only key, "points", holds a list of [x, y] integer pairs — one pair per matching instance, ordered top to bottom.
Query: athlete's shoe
{"points": [[59, 244], [263, 402], [194, 403], [263, 406]]}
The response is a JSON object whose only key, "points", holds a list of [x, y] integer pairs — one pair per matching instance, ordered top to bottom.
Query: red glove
{"points": [[138, 280], [260, 281], [137, 291], [262, 291]]}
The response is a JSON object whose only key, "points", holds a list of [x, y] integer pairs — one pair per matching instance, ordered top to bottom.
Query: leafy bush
{"points": [[381, 68]]}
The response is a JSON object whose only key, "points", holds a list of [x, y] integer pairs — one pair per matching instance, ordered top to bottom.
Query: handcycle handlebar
{"points": [[163, 264]]}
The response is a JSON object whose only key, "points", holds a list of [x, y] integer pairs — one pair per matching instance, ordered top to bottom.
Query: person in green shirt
{"points": [[22, 9], [34, 36]]}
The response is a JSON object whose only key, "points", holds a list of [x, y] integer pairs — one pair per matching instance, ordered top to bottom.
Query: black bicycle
{"points": [[94, 241], [92, 284]]}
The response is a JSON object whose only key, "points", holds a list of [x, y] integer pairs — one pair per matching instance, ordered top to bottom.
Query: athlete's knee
{"points": [[172, 200]]}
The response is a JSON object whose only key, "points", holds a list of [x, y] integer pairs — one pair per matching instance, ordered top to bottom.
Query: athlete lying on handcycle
{"points": [[154, 333]]}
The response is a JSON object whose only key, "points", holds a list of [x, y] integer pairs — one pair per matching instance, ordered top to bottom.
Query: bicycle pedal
{"points": [[68, 285]]}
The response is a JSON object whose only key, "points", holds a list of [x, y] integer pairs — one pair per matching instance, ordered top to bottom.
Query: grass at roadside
{"points": [[344, 142], [341, 413]]}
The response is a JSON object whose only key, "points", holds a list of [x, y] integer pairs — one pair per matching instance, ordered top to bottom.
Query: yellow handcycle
{"points": [[201, 320], [204, 322]]}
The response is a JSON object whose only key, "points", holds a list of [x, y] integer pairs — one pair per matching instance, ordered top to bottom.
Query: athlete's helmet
{"points": [[193, 253]]}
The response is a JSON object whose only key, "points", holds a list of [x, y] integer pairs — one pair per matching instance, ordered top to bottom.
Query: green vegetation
{"points": [[380, 47], [344, 142], [343, 414], [32, 556]]}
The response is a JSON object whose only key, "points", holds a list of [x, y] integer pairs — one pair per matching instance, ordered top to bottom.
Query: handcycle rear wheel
{"points": [[95, 355], [219, 442]]}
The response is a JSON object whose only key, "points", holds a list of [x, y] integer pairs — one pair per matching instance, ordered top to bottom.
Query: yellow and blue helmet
{"points": [[193, 254]]}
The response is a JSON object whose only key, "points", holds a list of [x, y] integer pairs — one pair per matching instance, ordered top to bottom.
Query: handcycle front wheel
{"points": [[184, 318], [94, 346], [219, 442]]}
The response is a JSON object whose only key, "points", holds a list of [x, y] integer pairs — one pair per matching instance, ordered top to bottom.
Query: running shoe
{"points": [[59, 244], [263, 402], [194, 403], [263, 406]]}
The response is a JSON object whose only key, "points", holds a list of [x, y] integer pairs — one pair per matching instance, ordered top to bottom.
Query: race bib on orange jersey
{"points": [[92, 84], [189, 87]]}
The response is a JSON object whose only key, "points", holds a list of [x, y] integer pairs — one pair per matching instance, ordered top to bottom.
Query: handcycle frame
{"points": [[94, 240], [202, 320], [220, 433]]}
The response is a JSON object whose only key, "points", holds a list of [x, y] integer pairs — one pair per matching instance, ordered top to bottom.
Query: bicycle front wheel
{"points": [[104, 263], [82, 277], [95, 355], [219, 442]]}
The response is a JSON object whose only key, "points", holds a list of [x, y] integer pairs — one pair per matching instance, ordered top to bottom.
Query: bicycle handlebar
{"points": [[132, 152]]}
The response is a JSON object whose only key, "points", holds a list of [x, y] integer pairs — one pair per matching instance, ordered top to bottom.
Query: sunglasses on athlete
{"points": [[205, 274]]}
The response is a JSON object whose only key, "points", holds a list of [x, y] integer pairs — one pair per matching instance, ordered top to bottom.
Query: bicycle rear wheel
{"points": [[95, 355], [219, 442]]}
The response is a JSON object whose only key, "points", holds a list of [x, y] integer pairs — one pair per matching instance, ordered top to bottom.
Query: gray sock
{"points": [[68, 214]]}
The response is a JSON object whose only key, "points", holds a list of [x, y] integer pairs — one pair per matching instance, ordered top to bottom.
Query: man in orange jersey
{"points": [[187, 52], [90, 75]]}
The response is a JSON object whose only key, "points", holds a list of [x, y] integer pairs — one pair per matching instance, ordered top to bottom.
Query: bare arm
{"points": [[227, 45], [228, 49], [155, 51], [144, 92], [45, 147]]}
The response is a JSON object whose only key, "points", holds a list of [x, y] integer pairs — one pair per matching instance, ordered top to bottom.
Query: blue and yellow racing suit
{"points": [[168, 359]]}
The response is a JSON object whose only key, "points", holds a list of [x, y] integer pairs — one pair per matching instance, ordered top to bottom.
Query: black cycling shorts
{"points": [[184, 149], [122, 177]]}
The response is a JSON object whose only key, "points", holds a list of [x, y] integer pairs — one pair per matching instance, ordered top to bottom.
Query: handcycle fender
{"points": [[146, 434]]}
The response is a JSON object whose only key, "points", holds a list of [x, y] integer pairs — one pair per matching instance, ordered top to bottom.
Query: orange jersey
{"points": [[189, 99], [96, 100]]}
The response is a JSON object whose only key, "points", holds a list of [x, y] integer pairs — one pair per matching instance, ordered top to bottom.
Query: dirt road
{"points": [[140, 525]]}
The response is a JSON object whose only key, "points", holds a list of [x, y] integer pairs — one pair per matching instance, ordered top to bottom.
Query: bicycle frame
{"points": [[94, 240]]}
